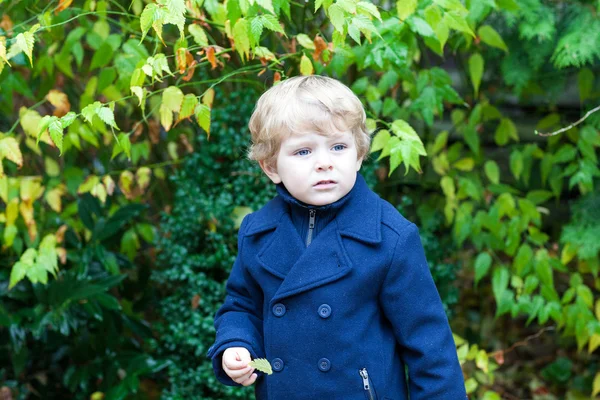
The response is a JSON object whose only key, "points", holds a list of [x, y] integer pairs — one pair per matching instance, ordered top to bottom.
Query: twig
{"points": [[570, 126], [522, 342]]}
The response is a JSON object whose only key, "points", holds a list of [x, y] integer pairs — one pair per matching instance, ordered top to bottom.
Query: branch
{"points": [[570, 126], [499, 354]]}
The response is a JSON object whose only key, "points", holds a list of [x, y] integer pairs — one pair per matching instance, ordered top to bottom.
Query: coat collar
{"points": [[359, 218], [325, 260]]}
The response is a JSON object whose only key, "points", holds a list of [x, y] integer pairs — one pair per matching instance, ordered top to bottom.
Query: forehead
{"points": [[296, 139]]}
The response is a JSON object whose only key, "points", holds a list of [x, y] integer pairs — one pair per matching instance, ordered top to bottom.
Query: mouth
{"points": [[323, 183]]}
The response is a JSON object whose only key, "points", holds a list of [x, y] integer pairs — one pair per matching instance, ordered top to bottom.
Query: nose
{"points": [[323, 162]]}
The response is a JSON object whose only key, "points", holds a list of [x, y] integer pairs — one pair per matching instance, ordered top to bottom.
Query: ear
{"points": [[359, 163], [270, 170]]}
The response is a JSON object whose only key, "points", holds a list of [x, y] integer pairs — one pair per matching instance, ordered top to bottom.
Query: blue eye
{"points": [[339, 147], [302, 152]]}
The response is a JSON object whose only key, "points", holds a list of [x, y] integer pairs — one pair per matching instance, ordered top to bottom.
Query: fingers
{"points": [[236, 358], [250, 380]]}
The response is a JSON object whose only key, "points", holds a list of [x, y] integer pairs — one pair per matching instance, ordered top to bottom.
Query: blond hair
{"points": [[306, 104]]}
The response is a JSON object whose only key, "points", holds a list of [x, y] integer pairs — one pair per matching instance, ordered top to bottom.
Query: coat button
{"points": [[278, 310], [324, 310], [277, 364], [324, 364]]}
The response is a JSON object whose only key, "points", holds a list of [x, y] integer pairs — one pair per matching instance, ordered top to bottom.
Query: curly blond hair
{"points": [[305, 104]]}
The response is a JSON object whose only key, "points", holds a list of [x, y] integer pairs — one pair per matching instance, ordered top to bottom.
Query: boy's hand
{"points": [[235, 364]]}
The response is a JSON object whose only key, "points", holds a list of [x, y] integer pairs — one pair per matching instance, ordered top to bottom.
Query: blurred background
{"points": [[123, 179]]}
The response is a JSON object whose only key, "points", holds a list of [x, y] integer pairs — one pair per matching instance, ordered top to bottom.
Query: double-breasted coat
{"points": [[341, 318]]}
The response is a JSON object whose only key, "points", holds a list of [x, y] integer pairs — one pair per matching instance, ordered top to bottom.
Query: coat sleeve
{"points": [[412, 304], [238, 323]]}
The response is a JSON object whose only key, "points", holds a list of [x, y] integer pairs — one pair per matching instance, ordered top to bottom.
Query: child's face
{"points": [[316, 169]]}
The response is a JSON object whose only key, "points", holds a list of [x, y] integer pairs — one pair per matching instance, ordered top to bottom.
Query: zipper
{"points": [[311, 226], [366, 386]]}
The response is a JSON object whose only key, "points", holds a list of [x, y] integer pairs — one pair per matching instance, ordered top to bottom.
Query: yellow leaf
{"points": [[3, 49], [306, 67], [208, 97], [59, 100], [166, 117], [9, 148], [52, 167], [142, 177], [125, 183], [88, 184], [109, 184], [4, 188], [31, 188], [99, 191], [53, 199], [26, 209], [12, 211], [567, 253], [594, 343], [482, 360], [261, 364], [596, 385]]}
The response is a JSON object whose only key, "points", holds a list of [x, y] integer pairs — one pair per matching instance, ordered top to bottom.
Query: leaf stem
{"points": [[593, 110]]}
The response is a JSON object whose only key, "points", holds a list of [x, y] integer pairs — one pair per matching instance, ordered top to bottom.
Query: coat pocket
{"points": [[368, 388]]}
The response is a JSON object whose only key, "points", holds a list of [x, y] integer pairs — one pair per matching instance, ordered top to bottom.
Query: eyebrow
{"points": [[304, 141]]}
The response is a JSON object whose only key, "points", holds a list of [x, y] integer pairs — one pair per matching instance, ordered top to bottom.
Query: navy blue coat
{"points": [[341, 318]]}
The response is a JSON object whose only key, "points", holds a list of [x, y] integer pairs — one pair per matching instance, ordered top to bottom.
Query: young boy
{"points": [[330, 284]]}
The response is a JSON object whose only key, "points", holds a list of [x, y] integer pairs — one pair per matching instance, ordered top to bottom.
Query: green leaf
{"points": [[267, 5], [453, 5], [508, 5], [369, 8], [405, 8], [153, 15], [337, 17], [434, 18], [457, 22], [272, 23], [420, 26], [198, 34], [490, 37], [241, 38], [305, 41], [23, 43], [102, 56], [306, 67], [476, 70], [585, 80], [172, 98], [190, 101], [90, 110], [107, 116], [203, 117], [67, 119], [506, 130], [56, 133], [380, 140], [441, 140], [125, 144], [516, 163], [492, 171], [522, 259], [483, 262], [20, 268], [543, 270], [261, 364]]}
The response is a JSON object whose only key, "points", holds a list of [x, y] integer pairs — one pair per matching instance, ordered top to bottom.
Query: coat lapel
{"points": [[326, 259]]}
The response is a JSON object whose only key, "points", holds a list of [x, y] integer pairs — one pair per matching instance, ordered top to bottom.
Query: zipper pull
{"points": [[311, 225], [365, 377]]}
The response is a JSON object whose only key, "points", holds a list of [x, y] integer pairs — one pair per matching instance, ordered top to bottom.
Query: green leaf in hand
{"points": [[261, 364]]}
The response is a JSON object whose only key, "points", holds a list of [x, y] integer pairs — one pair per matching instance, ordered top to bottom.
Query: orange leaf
{"points": [[62, 5], [320, 45], [210, 56], [181, 59], [190, 71], [276, 77], [59, 100], [195, 301]]}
